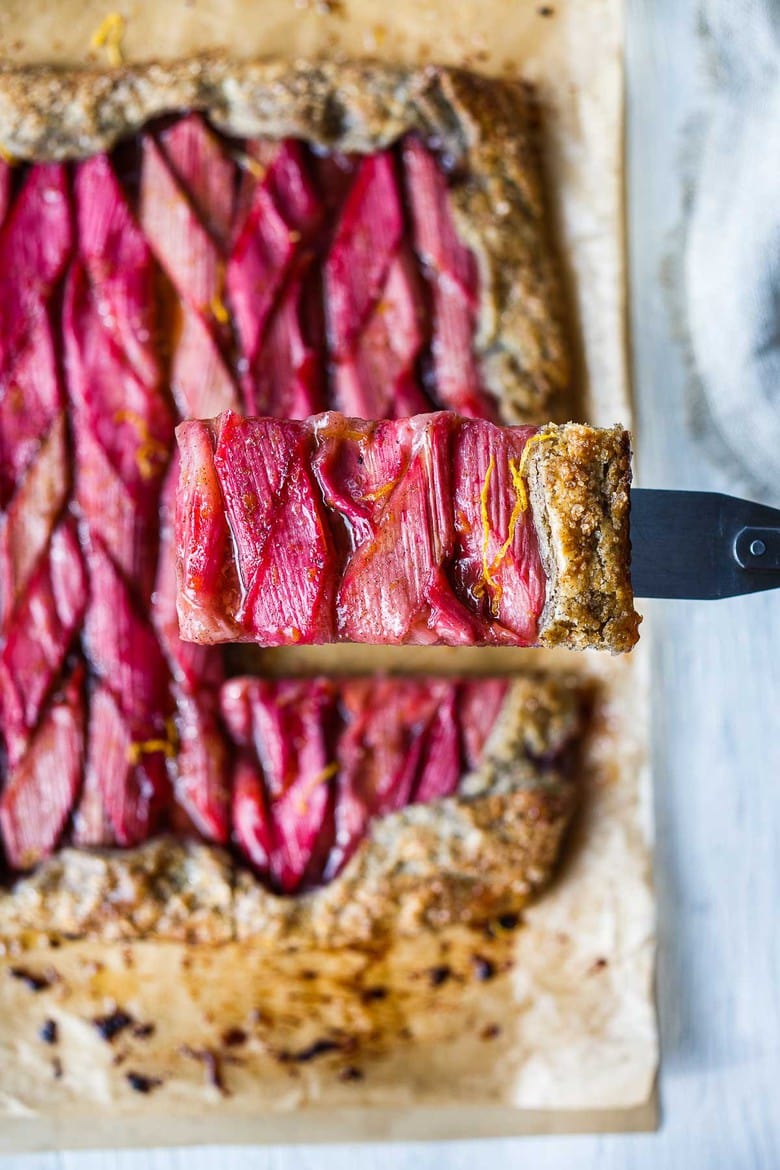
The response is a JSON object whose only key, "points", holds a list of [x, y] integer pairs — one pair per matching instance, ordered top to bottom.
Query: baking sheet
{"points": [[564, 1037]]}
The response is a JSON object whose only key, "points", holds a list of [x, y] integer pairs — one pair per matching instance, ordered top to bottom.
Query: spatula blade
{"points": [[702, 545]]}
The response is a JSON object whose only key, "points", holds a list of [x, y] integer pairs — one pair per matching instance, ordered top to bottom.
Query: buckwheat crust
{"points": [[486, 131], [578, 485], [494, 845], [484, 852]]}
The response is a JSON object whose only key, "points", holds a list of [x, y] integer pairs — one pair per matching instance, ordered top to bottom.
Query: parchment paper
{"points": [[564, 1037]]}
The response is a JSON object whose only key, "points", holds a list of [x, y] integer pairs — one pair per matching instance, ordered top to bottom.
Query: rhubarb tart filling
{"points": [[280, 241]]}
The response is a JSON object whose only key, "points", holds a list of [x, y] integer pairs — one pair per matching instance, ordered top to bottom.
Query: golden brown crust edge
{"points": [[485, 128], [579, 480], [484, 852], [468, 862]]}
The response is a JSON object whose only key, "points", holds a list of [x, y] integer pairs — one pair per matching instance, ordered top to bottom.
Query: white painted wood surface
{"points": [[716, 759]]}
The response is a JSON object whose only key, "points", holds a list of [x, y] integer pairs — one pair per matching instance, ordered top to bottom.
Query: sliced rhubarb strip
{"points": [[254, 162], [204, 170], [289, 175], [200, 187], [5, 189], [292, 190], [179, 194], [176, 235], [367, 237], [435, 237], [35, 245], [119, 265], [195, 266], [269, 267], [256, 270], [453, 272], [287, 379], [378, 380], [201, 383], [458, 384], [30, 397], [128, 417], [123, 432], [357, 465], [390, 483], [268, 489], [112, 514], [32, 515], [435, 526], [497, 561], [206, 574], [393, 586], [291, 594], [39, 637], [123, 650], [192, 666], [480, 702], [251, 711], [131, 712], [289, 727], [389, 727], [379, 755], [319, 759], [441, 765], [200, 768], [107, 771], [126, 777], [201, 778], [40, 791], [302, 799], [250, 816], [91, 826]]}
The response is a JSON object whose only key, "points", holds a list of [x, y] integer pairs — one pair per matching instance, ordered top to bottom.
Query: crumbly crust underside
{"points": [[486, 131], [579, 481], [484, 852]]}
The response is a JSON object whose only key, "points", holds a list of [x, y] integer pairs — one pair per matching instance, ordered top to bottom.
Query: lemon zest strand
{"points": [[108, 35], [249, 163], [217, 304], [218, 309], [539, 437], [150, 450], [517, 470], [382, 491], [520, 505], [483, 507], [168, 746], [145, 747], [322, 777]]}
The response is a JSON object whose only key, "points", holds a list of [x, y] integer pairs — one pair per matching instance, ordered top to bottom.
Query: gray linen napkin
{"points": [[731, 260]]}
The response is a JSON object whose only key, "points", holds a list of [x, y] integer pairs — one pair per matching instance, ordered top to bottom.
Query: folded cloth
{"points": [[732, 251]]}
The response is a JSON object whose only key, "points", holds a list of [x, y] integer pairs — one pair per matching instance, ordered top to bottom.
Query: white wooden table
{"points": [[716, 760]]}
